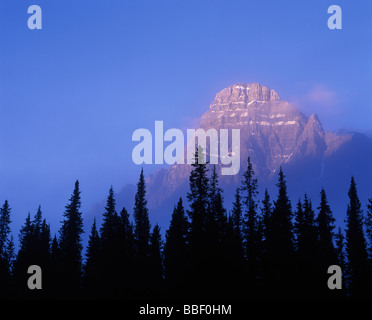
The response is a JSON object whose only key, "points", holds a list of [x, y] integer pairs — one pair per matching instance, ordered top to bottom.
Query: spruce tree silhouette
{"points": [[198, 203], [266, 212], [216, 213], [237, 214], [141, 218], [110, 220], [266, 220], [216, 223], [368, 223], [325, 224], [4, 225], [251, 228], [126, 236], [34, 238], [142, 238], [280, 246], [70, 247], [42, 249], [234, 249], [306, 250], [116, 252], [175, 252], [327, 252], [5, 254], [126, 255], [24, 256], [9, 258], [341, 261], [156, 263], [108, 264], [357, 267], [55, 270], [233, 273], [91, 280]]}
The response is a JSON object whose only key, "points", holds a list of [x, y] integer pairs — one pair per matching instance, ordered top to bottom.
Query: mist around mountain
{"points": [[273, 133]]}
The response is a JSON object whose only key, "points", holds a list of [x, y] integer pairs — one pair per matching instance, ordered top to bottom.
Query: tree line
{"points": [[266, 249]]}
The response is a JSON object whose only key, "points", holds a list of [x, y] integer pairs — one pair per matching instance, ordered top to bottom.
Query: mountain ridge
{"points": [[274, 134]]}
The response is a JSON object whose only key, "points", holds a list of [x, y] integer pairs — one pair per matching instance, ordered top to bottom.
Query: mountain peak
{"points": [[242, 93]]}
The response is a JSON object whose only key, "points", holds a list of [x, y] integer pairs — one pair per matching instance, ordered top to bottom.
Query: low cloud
{"points": [[322, 95], [320, 99]]}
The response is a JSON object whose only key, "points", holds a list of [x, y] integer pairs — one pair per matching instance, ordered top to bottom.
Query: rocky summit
{"points": [[273, 132]]}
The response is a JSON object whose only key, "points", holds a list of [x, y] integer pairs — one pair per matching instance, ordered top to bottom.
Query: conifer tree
{"points": [[198, 200], [198, 203], [266, 212], [237, 214], [141, 219], [216, 219], [299, 219], [38, 220], [110, 220], [368, 223], [325, 225], [4, 226], [251, 228], [126, 233], [235, 236], [34, 238], [25, 239], [142, 239], [41, 240], [126, 240], [306, 240], [44, 243], [280, 244], [70, 245], [93, 248], [216, 248], [340, 248], [116, 249], [306, 249], [54, 250], [175, 250], [327, 252], [10, 254], [126, 254], [24, 256], [266, 256], [8, 257], [156, 261], [341, 261], [108, 264], [91, 267], [234, 267], [358, 268], [54, 270], [5, 272]]}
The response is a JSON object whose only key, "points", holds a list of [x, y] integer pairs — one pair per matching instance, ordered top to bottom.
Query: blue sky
{"points": [[72, 94]]}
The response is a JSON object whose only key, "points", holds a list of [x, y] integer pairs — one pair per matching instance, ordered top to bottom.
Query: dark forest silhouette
{"points": [[267, 249]]}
